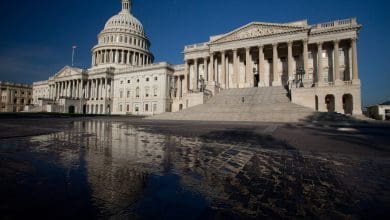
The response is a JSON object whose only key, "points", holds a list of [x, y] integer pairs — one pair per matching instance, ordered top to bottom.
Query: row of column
{"points": [[120, 57], [276, 79], [95, 89]]}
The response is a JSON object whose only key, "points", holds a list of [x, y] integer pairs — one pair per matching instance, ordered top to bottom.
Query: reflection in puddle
{"points": [[113, 169]]}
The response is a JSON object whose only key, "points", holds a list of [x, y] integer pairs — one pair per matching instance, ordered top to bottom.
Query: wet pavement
{"points": [[100, 168]]}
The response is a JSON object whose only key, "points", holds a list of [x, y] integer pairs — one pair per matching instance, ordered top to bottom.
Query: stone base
{"points": [[338, 82], [356, 82], [276, 83], [307, 83]]}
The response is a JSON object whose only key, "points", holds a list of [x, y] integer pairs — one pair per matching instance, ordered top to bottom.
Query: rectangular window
{"points": [[128, 94], [146, 107], [154, 107]]}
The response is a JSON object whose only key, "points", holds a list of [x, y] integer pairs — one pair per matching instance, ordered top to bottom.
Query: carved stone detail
{"points": [[256, 30]]}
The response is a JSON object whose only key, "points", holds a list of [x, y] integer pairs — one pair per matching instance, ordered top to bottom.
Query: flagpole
{"points": [[73, 48]]}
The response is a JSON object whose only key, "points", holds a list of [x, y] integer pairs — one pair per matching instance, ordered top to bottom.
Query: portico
{"points": [[267, 55]]}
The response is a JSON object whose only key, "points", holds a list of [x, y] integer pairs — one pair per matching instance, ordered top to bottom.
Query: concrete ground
{"points": [[327, 166]]}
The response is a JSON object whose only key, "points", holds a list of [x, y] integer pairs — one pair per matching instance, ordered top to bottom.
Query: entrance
{"points": [[257, 80], [330, 103], [348, 104], [71, 109], [84, 109]]}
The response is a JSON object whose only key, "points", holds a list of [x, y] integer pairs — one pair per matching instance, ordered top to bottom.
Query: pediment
{"points": [[257, 29], [68, 71]]}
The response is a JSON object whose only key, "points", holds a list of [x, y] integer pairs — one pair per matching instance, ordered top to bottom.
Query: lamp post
{"points": [[257, 77], [299, 77], [202, 84]]}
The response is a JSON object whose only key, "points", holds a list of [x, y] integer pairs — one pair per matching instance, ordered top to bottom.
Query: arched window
{"points": [[146, 91], [155, 91]]}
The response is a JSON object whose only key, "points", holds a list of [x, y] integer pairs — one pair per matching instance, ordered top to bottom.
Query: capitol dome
{"points": [[125, 20], [122, 41]]}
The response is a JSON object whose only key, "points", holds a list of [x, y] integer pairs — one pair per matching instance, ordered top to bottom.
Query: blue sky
{"points": [[36, 36]]}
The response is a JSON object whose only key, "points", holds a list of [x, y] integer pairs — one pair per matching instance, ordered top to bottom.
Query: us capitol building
{"points": [[317, 65]]}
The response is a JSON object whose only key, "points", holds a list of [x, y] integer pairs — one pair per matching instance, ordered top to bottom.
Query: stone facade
{"points": [[317, 64], [14, 97]]}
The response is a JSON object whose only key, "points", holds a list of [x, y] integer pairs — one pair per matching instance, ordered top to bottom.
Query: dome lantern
{"points": [[126, 5]]}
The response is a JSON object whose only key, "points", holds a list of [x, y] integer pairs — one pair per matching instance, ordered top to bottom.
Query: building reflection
{"points": [[118, 160]]}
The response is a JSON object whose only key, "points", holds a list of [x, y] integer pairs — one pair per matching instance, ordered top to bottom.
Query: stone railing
{"points": [[334, 24], [195, 46], [348, 83], [14, 84]]}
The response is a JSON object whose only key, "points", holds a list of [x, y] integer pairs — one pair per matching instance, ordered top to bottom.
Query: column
{"points": [[123, 57], [128, 57], [306, 58], [93, 59], [116, 59], [133, 59], [139, 59], [289, 60], [336, 62], [223, 64], [212, 67], [235, 68], [206, 69], [248, 70], [186, 73], [262, 73], [355, 73], [196, 75], [276, 78], [320, 78], [56, 85], [79, 85], [101, 88], [105, 88], [63, 89], [70, 89], [91, 89], [97, 89], [59, 90], [80, 91], [87, 95]]}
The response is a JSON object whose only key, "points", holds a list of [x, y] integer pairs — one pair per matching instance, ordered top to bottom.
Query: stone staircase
{"points": [[269, 104]]}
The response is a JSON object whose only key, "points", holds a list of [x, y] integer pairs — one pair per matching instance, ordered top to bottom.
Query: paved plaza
{"points": [[58, 167]]}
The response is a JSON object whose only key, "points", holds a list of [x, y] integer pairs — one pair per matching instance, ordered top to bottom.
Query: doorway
{"points": [[257, 80], [330, 103], [348, 104], [71, 109]]}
